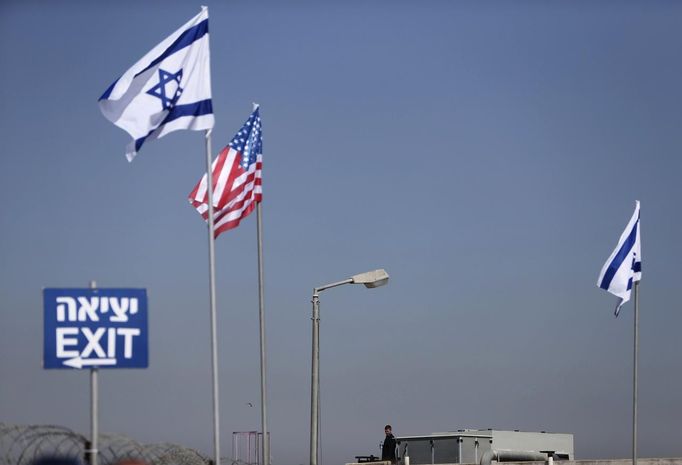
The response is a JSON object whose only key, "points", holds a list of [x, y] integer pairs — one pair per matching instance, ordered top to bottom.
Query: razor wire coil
{"points": [[24, 444]]}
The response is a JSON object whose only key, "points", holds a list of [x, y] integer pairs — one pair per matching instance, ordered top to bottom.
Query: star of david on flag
{"points": [[169, 89], [160, 90], [237, 178]]}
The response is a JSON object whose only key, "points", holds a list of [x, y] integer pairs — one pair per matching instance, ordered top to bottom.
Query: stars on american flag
{"points": [[248, 141]]}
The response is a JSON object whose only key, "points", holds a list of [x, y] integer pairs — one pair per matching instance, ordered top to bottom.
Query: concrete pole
{"points": [[315, 369], [314, 383]]}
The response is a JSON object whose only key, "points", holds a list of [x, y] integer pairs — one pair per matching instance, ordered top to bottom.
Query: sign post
{"points": [[95, 328], [94, 410]]}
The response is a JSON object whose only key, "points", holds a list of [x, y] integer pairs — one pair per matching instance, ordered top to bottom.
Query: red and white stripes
{"points": [[235, 190]]}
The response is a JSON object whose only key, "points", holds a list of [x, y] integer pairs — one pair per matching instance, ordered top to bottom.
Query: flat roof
{"points": [[476, 433], [482, 433]]}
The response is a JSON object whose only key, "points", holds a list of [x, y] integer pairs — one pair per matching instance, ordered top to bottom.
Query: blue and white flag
{"points": [[167, 90], [624, 266]]}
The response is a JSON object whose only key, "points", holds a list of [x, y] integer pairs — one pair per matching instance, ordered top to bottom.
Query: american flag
{"points": [[237, 175]]}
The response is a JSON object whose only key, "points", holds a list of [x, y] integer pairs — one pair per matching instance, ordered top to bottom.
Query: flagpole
{"points": [[212, 300], [634, 377], [265, 449]]}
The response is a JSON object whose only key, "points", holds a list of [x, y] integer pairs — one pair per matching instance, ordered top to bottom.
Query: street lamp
{"points": [[370, 279]]}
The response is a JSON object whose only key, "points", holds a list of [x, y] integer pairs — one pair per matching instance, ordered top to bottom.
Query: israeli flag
{"points": [[167, 90], [624, 266]]}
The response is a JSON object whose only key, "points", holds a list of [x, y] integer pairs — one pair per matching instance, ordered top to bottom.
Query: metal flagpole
{"points": [[211, 274], [261, 314], [634, 377], [94, 410]]}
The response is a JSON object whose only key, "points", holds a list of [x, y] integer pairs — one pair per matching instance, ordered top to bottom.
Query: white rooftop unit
{"points": [[470, 446]]}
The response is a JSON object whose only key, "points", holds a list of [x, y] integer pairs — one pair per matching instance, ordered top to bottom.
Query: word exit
{"points": [[95, 328]]}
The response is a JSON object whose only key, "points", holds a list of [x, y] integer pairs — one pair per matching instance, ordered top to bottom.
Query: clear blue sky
{"points": [[487, 154]]}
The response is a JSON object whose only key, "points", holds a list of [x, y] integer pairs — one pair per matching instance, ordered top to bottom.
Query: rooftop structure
{"points": [[469, 446]]}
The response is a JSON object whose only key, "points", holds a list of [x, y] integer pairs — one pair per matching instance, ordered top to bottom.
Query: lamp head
{"points": [[371, 279]]}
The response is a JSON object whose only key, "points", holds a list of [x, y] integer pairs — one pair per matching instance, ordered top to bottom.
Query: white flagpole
{"points": [[212, 299], [634, 377], [265, 448]]}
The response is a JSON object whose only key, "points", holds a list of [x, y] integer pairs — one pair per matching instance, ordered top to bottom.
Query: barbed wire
{"points": [[23, 444]]}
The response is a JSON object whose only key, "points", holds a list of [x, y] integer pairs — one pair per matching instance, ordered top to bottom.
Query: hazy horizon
{"points": [[487, 154]]}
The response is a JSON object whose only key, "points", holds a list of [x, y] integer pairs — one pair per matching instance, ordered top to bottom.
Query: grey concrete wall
{"points": [[649, 461]]}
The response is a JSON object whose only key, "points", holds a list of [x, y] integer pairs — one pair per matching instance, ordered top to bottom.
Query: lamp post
{"points": [[370, 279]]}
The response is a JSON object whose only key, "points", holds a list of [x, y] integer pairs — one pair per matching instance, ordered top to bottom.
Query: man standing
{"points": [[388, 449]]}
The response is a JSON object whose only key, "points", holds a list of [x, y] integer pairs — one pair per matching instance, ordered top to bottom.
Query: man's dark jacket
{"points": [[388, 450]]}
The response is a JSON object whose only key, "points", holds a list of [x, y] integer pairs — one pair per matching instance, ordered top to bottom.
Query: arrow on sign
{"points": [[78, 362]]}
